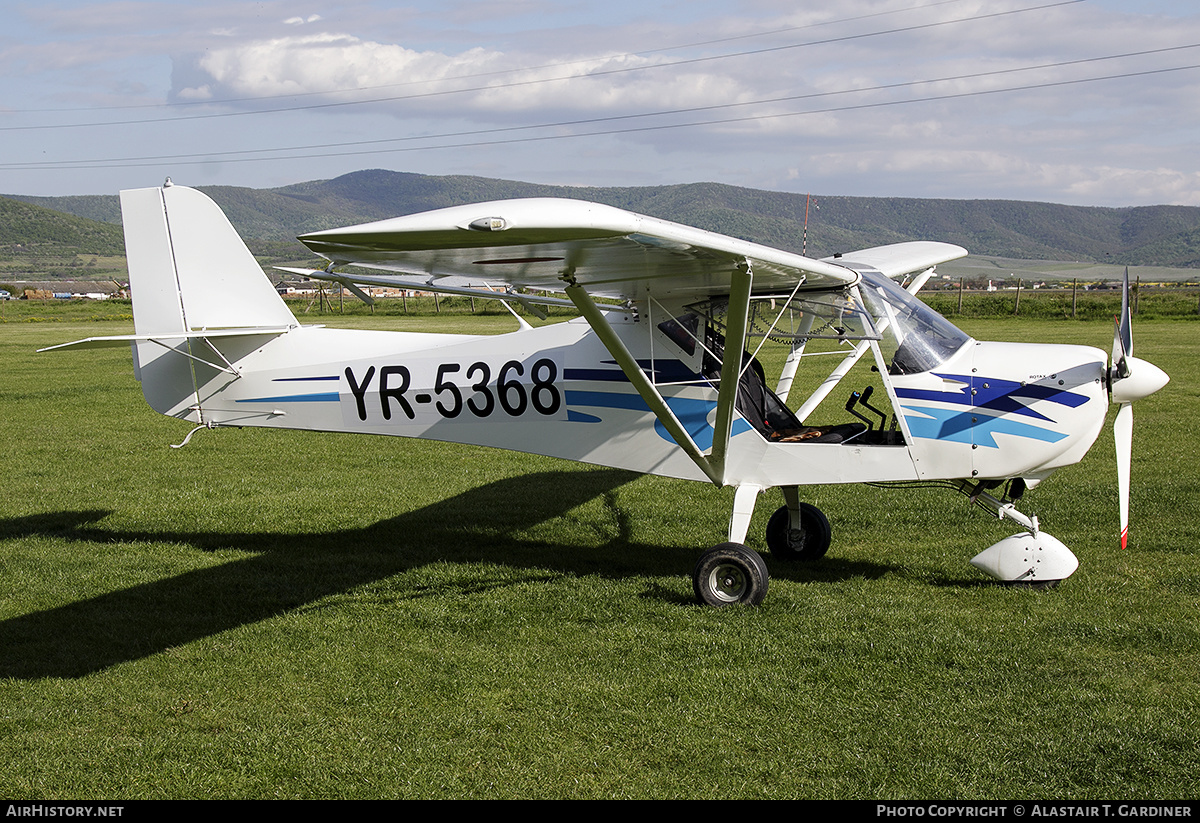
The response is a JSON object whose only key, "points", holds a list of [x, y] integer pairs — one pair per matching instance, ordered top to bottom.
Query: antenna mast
{"points": [[804, 237]]}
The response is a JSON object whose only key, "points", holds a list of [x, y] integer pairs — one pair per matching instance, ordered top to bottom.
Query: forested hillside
{"points": [[1136, 236]]}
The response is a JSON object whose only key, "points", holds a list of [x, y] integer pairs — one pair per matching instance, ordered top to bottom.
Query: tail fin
{"points": [[189, 270], [190, 273]]}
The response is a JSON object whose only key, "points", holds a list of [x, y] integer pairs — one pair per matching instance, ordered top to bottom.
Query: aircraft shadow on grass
{"points": [[290, 571]]}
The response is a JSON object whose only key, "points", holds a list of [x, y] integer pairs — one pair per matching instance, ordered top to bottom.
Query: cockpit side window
{"points": [[683, 331], [915, 337]]}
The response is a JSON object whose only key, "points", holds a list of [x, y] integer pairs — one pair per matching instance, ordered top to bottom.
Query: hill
{"points": [[33, 229], [1136, 236], [38, 243]]}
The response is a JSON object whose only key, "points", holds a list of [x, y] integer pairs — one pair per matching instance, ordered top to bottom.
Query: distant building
{"points": [[71, 289]]}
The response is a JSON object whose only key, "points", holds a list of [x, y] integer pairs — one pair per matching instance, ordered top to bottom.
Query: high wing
{"points": [[540, 243]]}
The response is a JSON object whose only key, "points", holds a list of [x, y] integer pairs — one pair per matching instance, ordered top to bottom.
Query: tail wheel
{"points": [[809, 542], [728, 574]]}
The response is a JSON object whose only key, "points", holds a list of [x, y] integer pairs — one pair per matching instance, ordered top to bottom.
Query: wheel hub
{"points": [[729, 582]]}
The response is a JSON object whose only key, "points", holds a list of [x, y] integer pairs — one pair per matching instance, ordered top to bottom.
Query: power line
{"points": [[498, 72], [540, 81], [664, 113], [178, 159]]}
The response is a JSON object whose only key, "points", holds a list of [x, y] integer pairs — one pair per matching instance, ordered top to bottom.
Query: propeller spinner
{"points": [[1129, 379]]}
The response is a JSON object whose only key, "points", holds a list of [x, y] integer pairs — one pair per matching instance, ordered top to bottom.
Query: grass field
{"points": [[297, 615]]}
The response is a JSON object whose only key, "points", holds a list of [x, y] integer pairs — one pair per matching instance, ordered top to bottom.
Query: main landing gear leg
{"points": [[743, 509], [797, 530], [731, 573]]}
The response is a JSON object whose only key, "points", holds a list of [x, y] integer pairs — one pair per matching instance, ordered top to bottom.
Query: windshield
{"points": [[915, 337]]}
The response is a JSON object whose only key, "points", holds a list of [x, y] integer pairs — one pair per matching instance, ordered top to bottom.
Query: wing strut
{"points": [[737, 318], [628, 363], [713, 465]]}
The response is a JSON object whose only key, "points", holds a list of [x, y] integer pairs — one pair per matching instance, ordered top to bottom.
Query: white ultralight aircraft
{"points": [[654, 376]]}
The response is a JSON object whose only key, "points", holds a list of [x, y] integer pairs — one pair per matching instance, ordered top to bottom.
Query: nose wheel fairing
{"points": [[1036, 559]]}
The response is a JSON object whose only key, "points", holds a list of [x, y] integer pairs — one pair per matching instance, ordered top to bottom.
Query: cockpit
{"points": [[877, 314]]}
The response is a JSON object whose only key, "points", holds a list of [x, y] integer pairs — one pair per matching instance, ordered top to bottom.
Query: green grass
{"points": [[1169, 303], [270, 614]]}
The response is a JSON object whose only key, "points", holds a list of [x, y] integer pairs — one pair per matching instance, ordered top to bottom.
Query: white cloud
{"points": [[322, 63], [494, 83], [196, 93], [1110, 142], [1158, 185]]}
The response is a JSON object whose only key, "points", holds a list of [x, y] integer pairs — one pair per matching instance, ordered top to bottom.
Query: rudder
{"points": [[189, 272]]}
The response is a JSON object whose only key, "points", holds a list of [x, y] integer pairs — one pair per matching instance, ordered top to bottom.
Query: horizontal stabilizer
{"points": [[125, 339]]}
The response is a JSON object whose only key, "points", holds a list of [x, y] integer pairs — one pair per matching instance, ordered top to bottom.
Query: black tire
{"points": [[810, 543], [729, 574]]}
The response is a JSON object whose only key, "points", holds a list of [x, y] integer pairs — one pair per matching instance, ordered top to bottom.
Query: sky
{"points": [[1083, 102]]}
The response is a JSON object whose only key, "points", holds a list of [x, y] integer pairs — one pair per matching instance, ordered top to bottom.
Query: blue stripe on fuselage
{"points": [[995, 395], [691, 413], [971, 426]]}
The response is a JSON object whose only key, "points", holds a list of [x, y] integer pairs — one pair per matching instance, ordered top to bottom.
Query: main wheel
{"points": [[810, 542], [730, 573]]}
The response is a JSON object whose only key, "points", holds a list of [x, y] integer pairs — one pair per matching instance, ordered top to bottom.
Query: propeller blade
{"points": [[1126, 326], [1122, 348], [1129, 379], [1123, 437]]}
